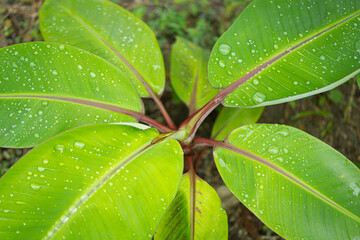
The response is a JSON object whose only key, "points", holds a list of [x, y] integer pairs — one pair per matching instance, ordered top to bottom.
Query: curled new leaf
{"points": [[111, 32], [278, 51], [189, 74], [47, 88], [93, 182], [297, 185]]}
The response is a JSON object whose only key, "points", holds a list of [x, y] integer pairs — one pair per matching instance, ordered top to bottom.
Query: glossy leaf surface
{"points": [[109, 31], [279, 51], [189, 74], [47, 88], [232, 118], [93, 182], [297, 185], [199, 209]]}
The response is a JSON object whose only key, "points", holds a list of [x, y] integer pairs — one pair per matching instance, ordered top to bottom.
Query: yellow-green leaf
{"points": [[107, 30], [279, 51], [47, 88], [93, 182], [297, 185], [195, 213]]}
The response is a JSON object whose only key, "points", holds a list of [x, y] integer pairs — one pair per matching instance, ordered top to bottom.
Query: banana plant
{"points": [[101, 169]]}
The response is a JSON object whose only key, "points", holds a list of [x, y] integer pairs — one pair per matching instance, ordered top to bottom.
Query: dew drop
{"points": [[357, 45], [276, 46], [62, 47], [224, 49], [322, 57], [240, 60], [32, 64], [221, 64], [80, 67], [54, 73], [92, 74], [256, 82], [259, 97], [284, 132], [36, 135], [79, 145], [60, 148], [273, 150], [45, 161], [222, 163], [41, 169], [35, 187], [355, 188]]}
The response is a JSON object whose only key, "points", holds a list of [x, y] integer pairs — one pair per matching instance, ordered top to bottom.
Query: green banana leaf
{"points": [[111, 32], [279, 51], [189, 74], [47, 88], [231, 118], [99, 181], [296, 184], [195, 213]]}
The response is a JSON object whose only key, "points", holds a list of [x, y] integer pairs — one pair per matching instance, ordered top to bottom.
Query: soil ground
{"points": [[333, 117]]}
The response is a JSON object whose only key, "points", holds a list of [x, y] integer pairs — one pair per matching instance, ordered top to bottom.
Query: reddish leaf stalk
{"points": [[163, 111], [153, 123], [192, 194]]}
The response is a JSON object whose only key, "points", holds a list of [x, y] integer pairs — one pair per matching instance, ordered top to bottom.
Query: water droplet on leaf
{"points": [[357, 45], [224, 49], [221, 64], [259, 97], [79, 145], [60, 148], [273, 150], [35, 187]]}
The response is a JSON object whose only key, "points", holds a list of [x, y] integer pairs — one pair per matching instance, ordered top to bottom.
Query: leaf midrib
{"points": [[82, 101], [193, 102], [286, 174], [192, 176], [84, 197]]}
